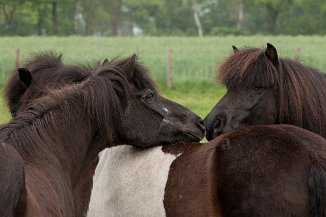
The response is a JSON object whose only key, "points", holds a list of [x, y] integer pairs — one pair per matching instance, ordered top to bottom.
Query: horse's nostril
{"points": [[215, 128], [209, 135]]}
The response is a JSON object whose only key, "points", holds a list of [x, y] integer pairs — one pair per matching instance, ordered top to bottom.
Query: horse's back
{"points": [[265, 171], [12, 182]]}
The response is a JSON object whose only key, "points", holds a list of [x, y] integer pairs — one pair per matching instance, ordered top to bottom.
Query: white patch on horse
{"points": [[165, 110], [167, 121], [130, 182]]}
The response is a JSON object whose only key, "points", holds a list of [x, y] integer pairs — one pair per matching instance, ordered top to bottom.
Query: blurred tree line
{"points": [[162, 17]]}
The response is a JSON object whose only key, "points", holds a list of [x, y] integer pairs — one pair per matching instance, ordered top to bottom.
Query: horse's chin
{"points": [[174, 132], [186, 137], [177, 138]]}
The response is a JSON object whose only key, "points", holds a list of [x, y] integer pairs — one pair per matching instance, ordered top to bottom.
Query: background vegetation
{"points": [[162, 17], [194, 59]]}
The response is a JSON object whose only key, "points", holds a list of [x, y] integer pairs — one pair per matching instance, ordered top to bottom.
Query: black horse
{"points": [[265, 89]]}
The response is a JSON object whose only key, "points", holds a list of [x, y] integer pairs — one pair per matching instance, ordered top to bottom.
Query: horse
{"points": [[265, 89], [59, 134], [261, 170], [225, 177]]}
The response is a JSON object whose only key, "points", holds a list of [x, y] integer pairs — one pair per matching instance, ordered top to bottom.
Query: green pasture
{"points": [[194, 59]]}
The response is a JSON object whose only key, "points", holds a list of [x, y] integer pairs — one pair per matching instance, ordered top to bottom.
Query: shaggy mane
{"points": [[49, 69]]}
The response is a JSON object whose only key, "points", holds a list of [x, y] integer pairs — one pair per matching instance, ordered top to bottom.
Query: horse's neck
{"points": [[58, 137], [82, 138], [81, 146], [63, 164], [84, 184], [82, 189]]}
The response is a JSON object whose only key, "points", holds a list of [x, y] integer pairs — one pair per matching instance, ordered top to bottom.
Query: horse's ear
{"points": [[235, 49], [271, 54], [134, 57], [106, 61], [129, 66], [25, 76]]}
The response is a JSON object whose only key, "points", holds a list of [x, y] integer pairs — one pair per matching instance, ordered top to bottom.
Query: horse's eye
{"points": [[149, 96]]}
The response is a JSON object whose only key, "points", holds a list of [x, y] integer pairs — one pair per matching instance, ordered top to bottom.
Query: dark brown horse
{"points": [[265, 89], [60, 133], [266, 170]]}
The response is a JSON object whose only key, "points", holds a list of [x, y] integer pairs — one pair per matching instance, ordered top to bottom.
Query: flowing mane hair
{"points": [[49, 69], [136, 72], [300, 90], [96, 103]]}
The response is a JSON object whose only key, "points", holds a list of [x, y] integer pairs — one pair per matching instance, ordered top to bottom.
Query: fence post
{"points": [[297, 54], [17, 57], [169, 69]]}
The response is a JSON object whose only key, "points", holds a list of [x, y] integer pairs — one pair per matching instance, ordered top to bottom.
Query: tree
{"points": [[8, 9], [272, 9], [162, 17], [79, 19]]}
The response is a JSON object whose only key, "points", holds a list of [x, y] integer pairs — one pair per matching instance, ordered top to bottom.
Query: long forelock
{"points": [[246, 67], [140, 76], [104, 79], [102, 100]]}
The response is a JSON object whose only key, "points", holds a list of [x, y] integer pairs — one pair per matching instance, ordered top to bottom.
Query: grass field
{"points": [[194, 59]]}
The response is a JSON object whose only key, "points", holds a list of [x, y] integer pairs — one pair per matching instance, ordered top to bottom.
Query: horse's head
{"points": [[43, 70], [250, 76], [147, 118]]}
